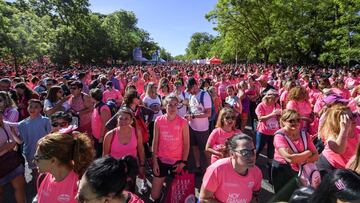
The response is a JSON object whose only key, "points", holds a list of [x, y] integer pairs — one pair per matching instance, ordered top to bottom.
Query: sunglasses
{"points": [[73, 88], [230, 117], [297, 120], [63, 124], [247, 152], [37, 158]]}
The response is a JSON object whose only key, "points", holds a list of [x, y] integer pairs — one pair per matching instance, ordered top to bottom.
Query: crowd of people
{"points": [[86, 134]]}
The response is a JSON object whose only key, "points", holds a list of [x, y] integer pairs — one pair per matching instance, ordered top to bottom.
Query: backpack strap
{"points": [[183, 94], [202, 94], [98, 106], [112, 139], [291, 144]]}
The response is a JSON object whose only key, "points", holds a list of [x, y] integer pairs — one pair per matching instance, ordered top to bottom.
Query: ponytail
{"points": [[83, 153], [108, 175]]}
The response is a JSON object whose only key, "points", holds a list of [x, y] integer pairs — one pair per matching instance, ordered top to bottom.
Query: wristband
{"points": [[184, 162]]}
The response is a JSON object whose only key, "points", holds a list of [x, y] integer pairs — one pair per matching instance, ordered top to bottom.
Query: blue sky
{"points": [[169, 22]]}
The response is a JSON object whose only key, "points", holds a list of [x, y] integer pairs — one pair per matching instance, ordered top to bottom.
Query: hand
{"points": [[185, 102], [276, 112], [188, 117], [345, 122], [101, 139], [10, 145], [179, 167], [156, 169], [142, 171]]}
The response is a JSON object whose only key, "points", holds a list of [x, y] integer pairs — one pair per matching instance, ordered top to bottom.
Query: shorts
{"points": [[198, 138], [165, 169], [13, 174]]}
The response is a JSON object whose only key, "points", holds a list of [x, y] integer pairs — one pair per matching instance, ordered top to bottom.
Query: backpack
{"points": [[112, 106], [213, 113], [309, 175]]}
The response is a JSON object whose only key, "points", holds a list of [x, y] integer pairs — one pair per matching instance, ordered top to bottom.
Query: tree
{"points": [[199, 45]]}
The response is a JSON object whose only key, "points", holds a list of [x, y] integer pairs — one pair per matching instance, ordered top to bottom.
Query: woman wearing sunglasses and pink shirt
{"points": [[236, 178]]}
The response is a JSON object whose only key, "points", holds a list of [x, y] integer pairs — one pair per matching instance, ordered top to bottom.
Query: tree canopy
{"points": [[68, 32], [294, 32]]}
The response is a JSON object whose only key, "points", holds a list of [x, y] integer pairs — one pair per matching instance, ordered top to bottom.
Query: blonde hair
{"points": [[8, 102], [222, 114], [288, 114], [331, 125], [74, 151]]}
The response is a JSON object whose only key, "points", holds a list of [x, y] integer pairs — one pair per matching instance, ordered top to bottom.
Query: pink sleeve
{"points": [[291, 105], [260, 110], [213, 137], [280, 142], [258, 177], [210, 181]]}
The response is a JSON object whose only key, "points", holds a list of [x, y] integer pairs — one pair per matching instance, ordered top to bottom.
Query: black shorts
{"points": [[198, 138], [166, 169]]}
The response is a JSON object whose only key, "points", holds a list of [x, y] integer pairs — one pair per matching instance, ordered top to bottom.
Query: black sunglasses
{"points": [[230, 117], [64, 124], [246, 152], [37, 158]]}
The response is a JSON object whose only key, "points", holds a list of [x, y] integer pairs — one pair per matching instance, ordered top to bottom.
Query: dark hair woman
{"points": [[24, 95], [106, 179]]}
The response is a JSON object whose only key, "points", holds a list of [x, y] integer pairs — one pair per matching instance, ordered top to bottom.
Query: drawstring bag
{"points": [[309, 175], [182, 189]]}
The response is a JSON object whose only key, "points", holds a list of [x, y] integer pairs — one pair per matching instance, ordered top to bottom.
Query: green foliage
{"points": [[67, 32], [296, 32]]}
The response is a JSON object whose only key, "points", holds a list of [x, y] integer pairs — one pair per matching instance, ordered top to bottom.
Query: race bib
{"points": [[272, 124]]}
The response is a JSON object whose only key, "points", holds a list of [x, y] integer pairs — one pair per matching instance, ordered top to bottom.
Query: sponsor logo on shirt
{"points": [[251, 184], [64, 198], [235, 198]]}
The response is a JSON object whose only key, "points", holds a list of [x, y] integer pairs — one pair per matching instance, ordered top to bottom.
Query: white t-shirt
{"points": [[153, 104], [48, 105], [199, 124]]}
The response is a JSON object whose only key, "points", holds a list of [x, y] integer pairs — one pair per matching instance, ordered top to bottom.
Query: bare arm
{"points": [[105, 116], [186, 138], [107, 142], [292, 158], [206, 196]]}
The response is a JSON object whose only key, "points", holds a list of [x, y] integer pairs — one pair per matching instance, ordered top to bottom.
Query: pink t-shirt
{"points": [[222, 90], [342, 92], [111, 94], [284, 97], [78, 105], [303, 108], [96, 123], [271, 125], [218, 137], [281, 142], [170, 145], [118, 150], [340, 160], [229, 186], [58, 192]]}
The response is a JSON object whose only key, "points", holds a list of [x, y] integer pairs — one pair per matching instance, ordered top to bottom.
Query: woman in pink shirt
{"points": [[339, 89], [112, 94], [299, 101], [268, 113], [225, 128], [340, 137], [125, 140], [171, 145], [63, 158], [286, 161], [236, 178], [106, 180]]}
